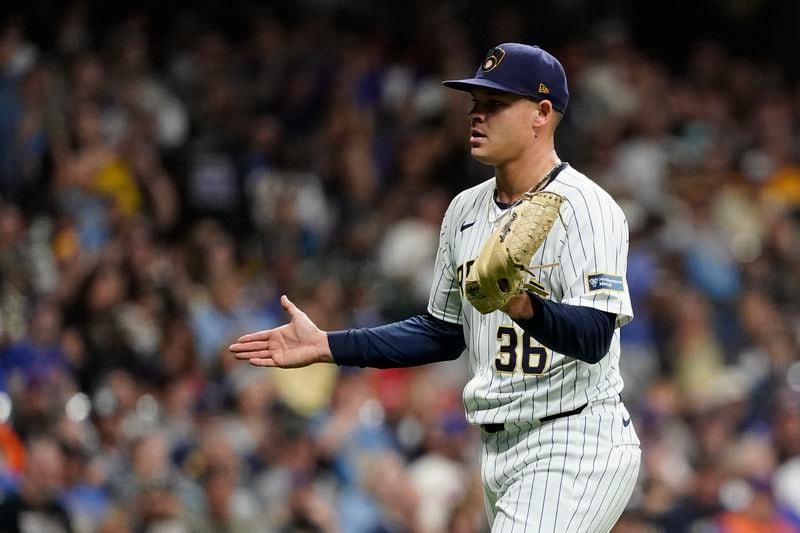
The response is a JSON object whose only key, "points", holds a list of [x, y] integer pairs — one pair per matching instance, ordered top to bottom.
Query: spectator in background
{"points": [[22, 139], [94, 184], [409, 247], [16, 273], [95, 314], [39, 356], [12, 457], [85, 497], [36, 506], [157, 508], [757, 512], [220, 514]]}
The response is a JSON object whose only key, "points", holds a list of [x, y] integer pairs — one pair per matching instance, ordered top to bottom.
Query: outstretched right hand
{"points": [[293, 345]]}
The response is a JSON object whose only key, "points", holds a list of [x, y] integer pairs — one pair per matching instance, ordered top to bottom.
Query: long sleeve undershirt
{"points": [[580, 332], [415, 341]]}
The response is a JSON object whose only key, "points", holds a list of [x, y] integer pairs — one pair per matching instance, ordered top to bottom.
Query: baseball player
{"points": [[559, 451]]}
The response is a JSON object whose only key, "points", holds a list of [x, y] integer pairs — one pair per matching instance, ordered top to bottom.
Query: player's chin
{"points": [[483, 155]]}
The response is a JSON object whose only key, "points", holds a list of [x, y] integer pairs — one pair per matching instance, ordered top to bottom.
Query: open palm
{"points": [[296, 344]]}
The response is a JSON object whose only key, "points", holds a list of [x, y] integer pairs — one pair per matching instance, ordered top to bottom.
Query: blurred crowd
{"points": [[163, 183]]}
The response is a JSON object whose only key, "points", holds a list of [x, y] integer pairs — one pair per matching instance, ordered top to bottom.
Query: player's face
{"points": [[501, 126]]}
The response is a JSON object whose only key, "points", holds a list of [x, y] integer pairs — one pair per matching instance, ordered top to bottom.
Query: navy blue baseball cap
{"points": [[520, 69]]}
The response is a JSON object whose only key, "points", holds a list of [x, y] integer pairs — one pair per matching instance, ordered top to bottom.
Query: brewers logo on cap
{"points": [[494, 58], [519, 69]]}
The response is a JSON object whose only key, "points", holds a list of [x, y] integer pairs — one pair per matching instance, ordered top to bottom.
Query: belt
{"points": [[494, 428]]}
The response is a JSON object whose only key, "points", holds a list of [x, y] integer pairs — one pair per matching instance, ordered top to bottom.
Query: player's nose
{"points": [[476, 113]]}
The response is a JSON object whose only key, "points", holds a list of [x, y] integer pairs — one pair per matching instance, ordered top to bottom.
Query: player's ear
{"points": [[544, 115]]}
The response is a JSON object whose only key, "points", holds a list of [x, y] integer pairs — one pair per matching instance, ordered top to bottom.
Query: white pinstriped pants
{"points": [[572, 474]]}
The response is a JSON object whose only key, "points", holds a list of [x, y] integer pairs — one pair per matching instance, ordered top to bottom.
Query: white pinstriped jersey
{"points": [[513, 377]]}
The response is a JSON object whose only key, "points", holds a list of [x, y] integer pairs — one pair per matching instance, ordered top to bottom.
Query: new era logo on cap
{"points": [[520, 69]]}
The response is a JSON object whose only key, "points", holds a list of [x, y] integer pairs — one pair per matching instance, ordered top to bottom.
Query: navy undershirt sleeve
{"points": [[580, 332], [415, 341]]}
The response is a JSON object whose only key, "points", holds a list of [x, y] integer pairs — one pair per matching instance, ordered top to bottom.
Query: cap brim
{"points": [[471, 83]]}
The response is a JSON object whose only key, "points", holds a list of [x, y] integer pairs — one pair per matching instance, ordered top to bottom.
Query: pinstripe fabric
{"points": [[592, 239], [572, 474]]}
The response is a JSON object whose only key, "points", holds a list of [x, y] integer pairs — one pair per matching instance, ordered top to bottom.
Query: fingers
{"points": [[288, 306], [268, 334], [250, 346], [257, 353], [253, 354], [263, 362]]}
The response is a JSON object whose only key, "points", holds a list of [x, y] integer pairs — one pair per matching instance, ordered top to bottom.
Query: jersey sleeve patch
{"points": [[608, 282]]}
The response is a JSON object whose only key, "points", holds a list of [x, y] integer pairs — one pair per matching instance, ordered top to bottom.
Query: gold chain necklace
{"points": [[541, 183]]}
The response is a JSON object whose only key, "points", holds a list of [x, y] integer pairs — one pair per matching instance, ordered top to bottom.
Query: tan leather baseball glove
{"points": [[499, 272]]}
